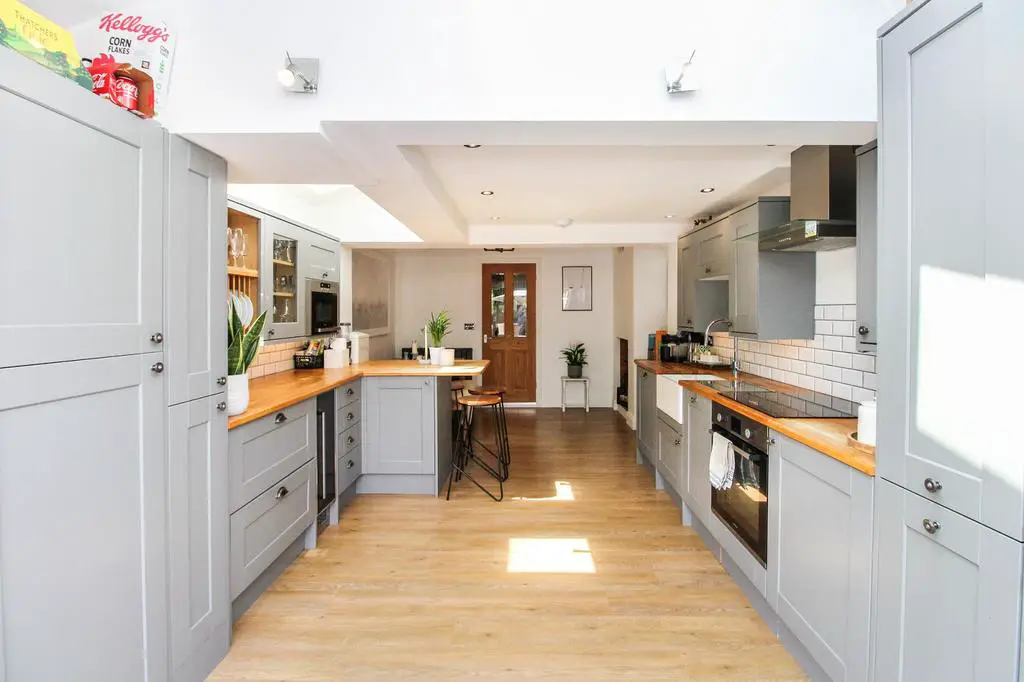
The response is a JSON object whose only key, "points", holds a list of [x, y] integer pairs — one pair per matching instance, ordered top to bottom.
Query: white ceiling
{"points": [[597, 184]]}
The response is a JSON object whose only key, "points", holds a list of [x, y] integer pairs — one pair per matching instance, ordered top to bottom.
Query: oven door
{"points": [[322, 307], [744, 506]]}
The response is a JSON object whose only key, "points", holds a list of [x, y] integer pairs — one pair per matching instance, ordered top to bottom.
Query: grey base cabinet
{"points": [[647, 414], [400, 425], [349, 433], [671, 443], [697, 493], [83, 500], [197, 535], [820, 555], [948, 598]]}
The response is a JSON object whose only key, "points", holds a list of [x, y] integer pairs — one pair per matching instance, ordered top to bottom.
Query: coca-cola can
{"points": [[126, 93]]}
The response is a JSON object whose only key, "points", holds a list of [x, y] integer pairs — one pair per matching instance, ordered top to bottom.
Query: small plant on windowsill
{"points": [[575, 357]]}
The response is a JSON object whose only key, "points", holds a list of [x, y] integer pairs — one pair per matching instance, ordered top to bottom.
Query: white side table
{"points": [[586, 391]]}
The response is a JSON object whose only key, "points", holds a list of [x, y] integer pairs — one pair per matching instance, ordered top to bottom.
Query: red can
{"points": [[126, 93]]}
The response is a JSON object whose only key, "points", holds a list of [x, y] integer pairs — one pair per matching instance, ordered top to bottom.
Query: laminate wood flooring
{"points": [[607, 585]]}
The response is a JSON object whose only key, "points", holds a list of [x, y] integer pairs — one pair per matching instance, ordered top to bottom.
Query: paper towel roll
{"points": [[336, 358], [866, 422]]}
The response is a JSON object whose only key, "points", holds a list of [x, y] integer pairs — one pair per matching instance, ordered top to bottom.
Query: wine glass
{"points": [[233, 245], [244, 246], [284, 313]]}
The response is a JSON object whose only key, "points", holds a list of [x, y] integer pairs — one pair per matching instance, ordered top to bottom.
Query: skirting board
{"points": [[397, 484]]}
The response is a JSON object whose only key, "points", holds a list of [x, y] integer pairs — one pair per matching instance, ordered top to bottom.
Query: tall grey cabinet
{"points": [[867, 247], [950, 492]]}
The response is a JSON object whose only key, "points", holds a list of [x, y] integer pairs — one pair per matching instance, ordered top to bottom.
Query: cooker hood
{"points": [[823, 202]]}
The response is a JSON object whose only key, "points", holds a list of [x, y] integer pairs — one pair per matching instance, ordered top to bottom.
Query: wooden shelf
{"points": [[284, 262], [243, 272], [283, 294]]}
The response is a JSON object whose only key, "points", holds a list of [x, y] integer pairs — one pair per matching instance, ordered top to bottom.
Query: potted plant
{"points": [[438, 327], [243, 344], [575, 357]]}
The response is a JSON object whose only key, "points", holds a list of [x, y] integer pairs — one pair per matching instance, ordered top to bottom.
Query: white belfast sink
{"points": [[670, 393]]}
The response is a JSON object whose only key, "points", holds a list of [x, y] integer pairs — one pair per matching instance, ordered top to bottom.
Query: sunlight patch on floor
{"points": [[563, 492], [550, 555]]}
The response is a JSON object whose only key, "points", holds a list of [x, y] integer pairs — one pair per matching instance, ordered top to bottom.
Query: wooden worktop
{"points": [[278, 391], [827, 436]]}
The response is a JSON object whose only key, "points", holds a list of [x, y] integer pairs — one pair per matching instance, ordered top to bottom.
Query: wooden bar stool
{"points": [[502, 424], [465, 452]]}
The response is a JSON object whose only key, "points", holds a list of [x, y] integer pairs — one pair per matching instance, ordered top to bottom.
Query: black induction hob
{"points": [[800, 404]]}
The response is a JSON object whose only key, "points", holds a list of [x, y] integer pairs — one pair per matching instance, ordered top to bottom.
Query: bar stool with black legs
{"points": [[458, 388], [501, 425], [490, 461]]}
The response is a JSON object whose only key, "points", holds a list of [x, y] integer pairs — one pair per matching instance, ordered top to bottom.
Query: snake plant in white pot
{"points": [[438, 327], [243, 344]]}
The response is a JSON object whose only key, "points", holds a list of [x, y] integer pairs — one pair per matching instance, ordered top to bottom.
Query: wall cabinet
{"points": [[949, 164], [867, 247], [99, 252], [321, 257], [686, 269], [282, 281], [196, 289], [772, 294], [647, 414], [400, 425], [670, 447], [698, 461], [83, 519], [197, 536], [820, 554], [948, 597]]}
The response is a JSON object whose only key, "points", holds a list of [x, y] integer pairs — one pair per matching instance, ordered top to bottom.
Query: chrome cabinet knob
{"points": [[707, 270], [689, 321], [862, 330], [271, 332], [157, 338], [157, 367], [221, 381], [350, 392], [693, 400], [222, 406], [349, 417], [718, 417], [280, 418], [746, 433], [351, 440], [678, 441], [771, 441], [349, 464], [931, 485], [281, 492], [931, 527]]}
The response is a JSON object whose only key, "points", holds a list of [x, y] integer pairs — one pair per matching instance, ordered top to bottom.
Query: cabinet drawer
{"points": [[349, 393], [348, 416], [350, 439], [265, 451], [350, 467], [950, 488], [264, 528]]}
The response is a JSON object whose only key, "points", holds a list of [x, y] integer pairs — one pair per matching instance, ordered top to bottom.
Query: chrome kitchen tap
{"points": [[735, 350]]}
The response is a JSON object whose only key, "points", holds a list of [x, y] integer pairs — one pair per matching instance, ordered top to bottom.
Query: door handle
{"points": [[486, 338], [280, 418], [321, 453], [350, 464], [281, 492]]}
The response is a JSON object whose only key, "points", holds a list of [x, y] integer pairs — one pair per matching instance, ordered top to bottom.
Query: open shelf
{"points": [[285, 263], [238, 271], [283, 294]]}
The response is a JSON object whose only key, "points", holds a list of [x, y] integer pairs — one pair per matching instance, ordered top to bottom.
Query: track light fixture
{"points": [[299, 74]]}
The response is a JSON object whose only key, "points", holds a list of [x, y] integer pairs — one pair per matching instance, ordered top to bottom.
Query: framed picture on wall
{"points": [[577, 287]]}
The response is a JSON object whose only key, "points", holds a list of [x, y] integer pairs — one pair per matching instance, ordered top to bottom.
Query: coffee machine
{"points": [[679, 347]]}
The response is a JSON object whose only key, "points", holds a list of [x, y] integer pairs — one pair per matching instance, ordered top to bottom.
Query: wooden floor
{"points": [[424, 589]]}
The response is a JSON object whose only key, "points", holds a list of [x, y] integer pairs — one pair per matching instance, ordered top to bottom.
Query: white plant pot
{"points": [[435, 355], [447, 357], [238, 394]]}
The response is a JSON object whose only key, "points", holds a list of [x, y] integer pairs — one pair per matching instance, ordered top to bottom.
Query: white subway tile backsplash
{"points": [[819, 312], [833, 312], [849, 312], [822, 327], [842, 328], [817, 342], [834, 342], [849, 344], [793, 353], [807, 354], [823, 357], [758, 359], [842, 360], [771, 361], [785, 363], [865, 363], [798, 366], [815, 370], [765, 372], [833, 373], [778, 375], [853, 377], [791, 378], [870, 380], [804, 381], [822, 386], [842, 391], [862, 394]]}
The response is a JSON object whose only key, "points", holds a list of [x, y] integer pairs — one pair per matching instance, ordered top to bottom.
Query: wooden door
{"points": [[81, 215], [194, 262], [510, 329]]}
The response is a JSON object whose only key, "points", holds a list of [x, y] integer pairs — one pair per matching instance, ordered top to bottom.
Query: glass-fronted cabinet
{"points": [[283, 288]]}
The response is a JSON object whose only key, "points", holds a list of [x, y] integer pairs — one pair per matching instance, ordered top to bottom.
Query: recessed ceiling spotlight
{"points": [[770, 145], [471, 146], [707, 190], [487, 193], [670, 216], [495, 217]]}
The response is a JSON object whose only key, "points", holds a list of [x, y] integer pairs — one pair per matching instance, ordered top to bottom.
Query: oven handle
{"points": [[739, 447]]}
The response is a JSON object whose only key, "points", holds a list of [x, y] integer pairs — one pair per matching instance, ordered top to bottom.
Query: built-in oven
{"points": [[322, 300], [743, 505]]}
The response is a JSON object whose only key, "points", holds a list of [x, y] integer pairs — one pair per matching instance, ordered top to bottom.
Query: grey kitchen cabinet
{"points": [[92, 230], [949, 240], [867, 247], [714, 249], [321, 256], [194, 262], [686, 274], [282, 280], [773, 293], [348, 393], [647, 414], [399, 425], [670, 444], [262, 452], [698, 461], [349, 467], [83, 518], [264, 528], [197, 537], [820, 555], [948, 595]]}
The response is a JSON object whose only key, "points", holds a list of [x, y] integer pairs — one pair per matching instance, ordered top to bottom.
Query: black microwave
{"points": [[322, 301]]}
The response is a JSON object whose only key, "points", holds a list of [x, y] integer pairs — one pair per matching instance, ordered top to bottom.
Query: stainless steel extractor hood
{"points": [[823, 202]]}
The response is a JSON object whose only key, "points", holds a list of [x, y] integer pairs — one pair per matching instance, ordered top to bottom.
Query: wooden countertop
{"points": [[281, 390], [827, 436]]}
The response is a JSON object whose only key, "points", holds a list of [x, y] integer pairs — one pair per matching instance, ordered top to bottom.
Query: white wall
{"points": [[623, 263], [836, 277], [430, 280], [650, 309]]}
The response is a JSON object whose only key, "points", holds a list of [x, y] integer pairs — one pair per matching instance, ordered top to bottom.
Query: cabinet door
{"points": [[82, 216], [950, 244], [867, 245], [712, 250], [321, 256], [194, 265], [282, 279], [687, 283], [743, 293], [399, 423], [698, 425], [647, 431], [669, 460], [82, 521], [197, 535], [819, 561], [947, 601]]}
